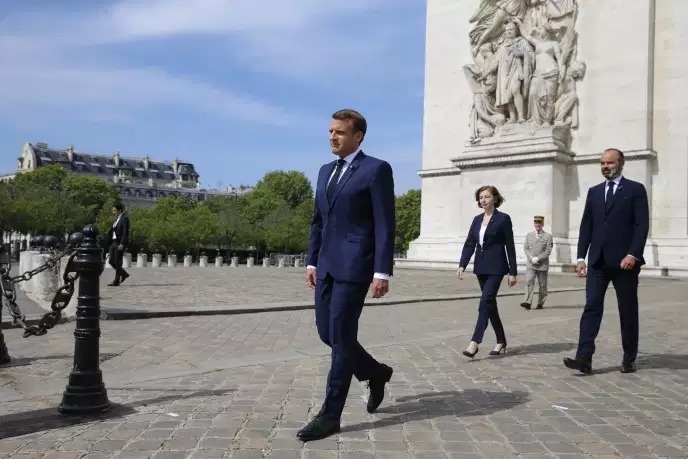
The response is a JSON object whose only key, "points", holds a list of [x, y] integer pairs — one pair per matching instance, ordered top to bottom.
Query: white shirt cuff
{"points": [[580, 259], [310, 267], [381, 276]]}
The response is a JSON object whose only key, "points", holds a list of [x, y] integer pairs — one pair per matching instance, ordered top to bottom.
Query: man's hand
{"points": [[120, 247], [534, 260], [628, 262], [581, 269], [459, 273], [310, 277], [511, 280], [380, 288]]}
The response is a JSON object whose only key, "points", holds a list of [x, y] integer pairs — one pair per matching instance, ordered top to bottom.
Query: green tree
{"points": [[292, 186], [408, 219], [231, 224]]}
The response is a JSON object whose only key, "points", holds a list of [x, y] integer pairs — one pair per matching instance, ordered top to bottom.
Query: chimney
{"points": [[70, 153], [116, 158], [146, 163], [176, 165]]}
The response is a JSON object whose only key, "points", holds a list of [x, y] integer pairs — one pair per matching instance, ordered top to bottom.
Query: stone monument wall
{"points": [[526, 94]]}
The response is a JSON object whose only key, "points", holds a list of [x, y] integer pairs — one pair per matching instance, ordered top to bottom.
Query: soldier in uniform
{"points": [[538, 247]]}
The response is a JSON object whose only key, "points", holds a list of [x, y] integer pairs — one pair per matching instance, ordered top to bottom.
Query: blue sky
{"points": [[238, 87]]}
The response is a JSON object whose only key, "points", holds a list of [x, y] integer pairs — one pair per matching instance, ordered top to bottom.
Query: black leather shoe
{"points": [[125, 276], [113, 284], [525, 306], [539, 306], [580, 364], [628, 367], [377, 388], [319, 428]]}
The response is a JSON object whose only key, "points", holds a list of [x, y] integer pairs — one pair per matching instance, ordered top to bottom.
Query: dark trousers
{"points": [[115, 260], [626, 285], [338, 306], [487, 309]]}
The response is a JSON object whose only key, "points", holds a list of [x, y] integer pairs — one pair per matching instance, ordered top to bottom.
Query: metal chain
{"points": [[49, 263], [60, 301]]}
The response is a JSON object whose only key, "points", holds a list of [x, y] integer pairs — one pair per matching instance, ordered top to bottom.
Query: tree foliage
{"points": [[274, 217], [408, 219]]}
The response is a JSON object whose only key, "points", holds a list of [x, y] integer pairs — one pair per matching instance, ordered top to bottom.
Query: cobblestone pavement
{"points": [[165, 288], [240, 386]]}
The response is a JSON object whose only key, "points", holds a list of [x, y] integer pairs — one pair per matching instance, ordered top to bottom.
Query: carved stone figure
{"points": [[502, 10], [514, 65], [532, 71], [549, 71], [483, 83], [566, 107]]}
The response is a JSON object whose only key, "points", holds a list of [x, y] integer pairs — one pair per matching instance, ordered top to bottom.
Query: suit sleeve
{"points": [[384, 218], [641, 220], [585, 230], [125, 231], [315, 238], [510, 246], [548, 247], [468, 248]]}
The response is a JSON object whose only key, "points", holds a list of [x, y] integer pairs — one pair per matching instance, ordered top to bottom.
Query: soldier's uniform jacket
{"points": [[538, 246]]}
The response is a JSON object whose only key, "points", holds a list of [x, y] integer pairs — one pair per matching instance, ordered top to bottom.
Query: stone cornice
{"points": [[631, 155]]}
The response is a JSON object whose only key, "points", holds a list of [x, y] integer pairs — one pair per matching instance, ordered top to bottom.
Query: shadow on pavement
{"points": [[539, 348], [651, 362], [471, 402], [28, 422]]}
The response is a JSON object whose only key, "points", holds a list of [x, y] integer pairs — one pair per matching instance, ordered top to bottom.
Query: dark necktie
{"points": [[334, 178], [610, 194]]}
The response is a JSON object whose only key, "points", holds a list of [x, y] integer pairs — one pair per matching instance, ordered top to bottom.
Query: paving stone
{"points": [[243, 385]]}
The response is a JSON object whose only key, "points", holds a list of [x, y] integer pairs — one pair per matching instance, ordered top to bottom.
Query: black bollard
{"points": [[85, 392]]}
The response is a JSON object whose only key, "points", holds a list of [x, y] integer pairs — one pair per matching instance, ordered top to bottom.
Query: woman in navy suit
{"points": [[491, 237]]}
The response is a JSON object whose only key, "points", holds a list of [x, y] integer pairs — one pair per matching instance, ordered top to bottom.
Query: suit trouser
{"points": [[115, 260], [541, 276], [626, 285], [338, 305], [487, 308]]}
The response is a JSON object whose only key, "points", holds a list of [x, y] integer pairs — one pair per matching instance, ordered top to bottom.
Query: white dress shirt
{"points": [[348, 159], [114, 235]]}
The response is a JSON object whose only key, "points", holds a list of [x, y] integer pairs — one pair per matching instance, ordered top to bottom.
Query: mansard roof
{"points": [[105, 165]]}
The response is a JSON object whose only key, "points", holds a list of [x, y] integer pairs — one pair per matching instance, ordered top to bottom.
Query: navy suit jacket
{"points": [[619, 231], [352, 237], [497, 256]]}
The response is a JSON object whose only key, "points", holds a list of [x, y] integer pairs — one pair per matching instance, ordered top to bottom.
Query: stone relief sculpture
{"points": [[525, 66]]}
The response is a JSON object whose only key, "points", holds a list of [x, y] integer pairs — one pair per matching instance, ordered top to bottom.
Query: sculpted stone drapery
{"points": [[524, 58]]}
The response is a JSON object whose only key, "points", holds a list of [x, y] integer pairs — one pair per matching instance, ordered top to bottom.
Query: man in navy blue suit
{"points": [[613, 232], [351, 246]]}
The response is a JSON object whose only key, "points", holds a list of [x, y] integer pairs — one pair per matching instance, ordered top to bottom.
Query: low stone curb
{"points": [[109, 313]]}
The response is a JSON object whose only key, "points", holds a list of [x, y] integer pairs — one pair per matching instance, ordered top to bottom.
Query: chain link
{"points": [[61, 299]]}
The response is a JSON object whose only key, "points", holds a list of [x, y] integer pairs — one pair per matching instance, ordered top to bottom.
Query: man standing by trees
{"points": [[118, 237]]}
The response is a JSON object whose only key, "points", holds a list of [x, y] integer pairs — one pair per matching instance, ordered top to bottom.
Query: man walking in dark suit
{"points": [[613, 232], [118, 237], [351, 245]]}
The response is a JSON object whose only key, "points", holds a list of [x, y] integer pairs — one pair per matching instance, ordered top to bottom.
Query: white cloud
{"points": [[59, 61]]}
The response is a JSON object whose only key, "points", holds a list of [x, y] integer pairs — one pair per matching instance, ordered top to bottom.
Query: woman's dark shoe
{"points": [[499, 348], [471, 350]]}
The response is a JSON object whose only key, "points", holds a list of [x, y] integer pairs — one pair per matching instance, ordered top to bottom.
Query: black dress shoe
{"points": [[124, 277], [113, 284], [525, 306], [539, 306], [580, 364], [628, 367], [377, 388], [319, 428]]}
